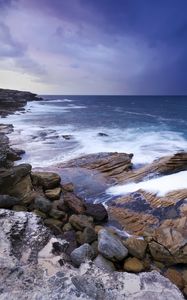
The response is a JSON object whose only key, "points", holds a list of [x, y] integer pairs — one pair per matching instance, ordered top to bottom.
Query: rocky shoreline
{"points": [[78, 235]]}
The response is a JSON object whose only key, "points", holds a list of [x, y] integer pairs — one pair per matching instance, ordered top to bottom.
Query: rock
{"points": [[102, 134], [67, 136], [12, 155], [110, 164], [48, 180], [16, 182], [68, 187], [53, 194], [7, 201], [74, 203], [42, 204], [19, 208], [97, 211], [40, 213], [57, 214], [80, 222], [54, 225], [67, 227], [97, 228], [89, 235], [70, 237], [79, 237], [169, 245], [94, 246], [110, 246], [136, 247], [82, 254], [104, 264], [133, 265], [32, 266], [184, 276], [175, 277], [185, 290]]}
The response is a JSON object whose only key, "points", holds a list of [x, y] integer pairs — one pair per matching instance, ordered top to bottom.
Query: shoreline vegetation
{"points": [[70, 232]]}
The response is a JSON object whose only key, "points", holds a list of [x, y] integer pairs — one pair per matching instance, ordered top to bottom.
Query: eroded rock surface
{"points": [[32, 266]]}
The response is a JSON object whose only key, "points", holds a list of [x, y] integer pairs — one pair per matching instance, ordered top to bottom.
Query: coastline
{"points": [[48, 189]]}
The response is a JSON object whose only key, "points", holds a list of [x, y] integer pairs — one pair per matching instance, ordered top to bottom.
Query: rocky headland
{"points": [[56, 245]]}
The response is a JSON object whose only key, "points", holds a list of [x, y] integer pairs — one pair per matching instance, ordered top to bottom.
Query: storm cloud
{"points": [[96, 47]]}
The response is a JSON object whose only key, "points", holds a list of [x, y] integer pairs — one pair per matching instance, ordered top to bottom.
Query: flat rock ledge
{"points": [[33, 266]]}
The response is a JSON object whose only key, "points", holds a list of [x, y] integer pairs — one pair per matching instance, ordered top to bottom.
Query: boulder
{"points": [[48, 180], [16, 182], [68, 187], [53, 194], [7, 201], [74, 203], [42, 204], [19, 208], [97, 211], [57, 214], [80, 222], [54, 225], [67, 227], [89, 235], [70, 237], [168, 245], [111, 246], [136, 247], [82, 254], [104, 264], [133, 265], [175, 277]]}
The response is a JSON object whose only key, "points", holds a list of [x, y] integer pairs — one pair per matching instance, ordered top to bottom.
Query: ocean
{"points": [[147, 126]]}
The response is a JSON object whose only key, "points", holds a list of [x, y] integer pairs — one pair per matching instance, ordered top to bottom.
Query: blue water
{"points": [[149, 127]]}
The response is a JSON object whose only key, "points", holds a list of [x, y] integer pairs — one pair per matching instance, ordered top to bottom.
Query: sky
{"points": [[111, 47]]}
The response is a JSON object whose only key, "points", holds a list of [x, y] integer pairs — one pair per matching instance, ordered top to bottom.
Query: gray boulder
{"points": [[7, 201], [42, 204], [110, 246], [81, 254], [104, 264]]}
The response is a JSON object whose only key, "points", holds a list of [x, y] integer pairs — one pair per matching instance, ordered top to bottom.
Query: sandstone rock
{"points": [[110, 164], [48, 180], [16, 182], [68, 187], [53, 194], [7, 201], [74, 203], [42, 204], [19, 208], [97, 211], [40, 213], [57, 214], [80, 222], [54, 225], [67, 227], [89, 235], [169, 245], [110, 246], [136, 247], [82, 254], [104, 264], [31, 265], [133, 265], [175, 277]]}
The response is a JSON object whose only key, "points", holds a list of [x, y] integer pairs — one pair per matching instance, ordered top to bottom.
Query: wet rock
{"points": [[102, 134], [67, 136], [12, 155], [110, 164], [48, 180], [16, 182], [68, 187], [53, 194], [7, 201], [74, 203], [42, 204], [19, 208], [97, 211], [40, 213], [57, 214], [80, 222], [54, 225], [67, 227], [97, 228], [89, 235], [70, 237], [79, 237], [94, 246], [110, 246], [136, 247], [82, 254], [104, 264], [133, 265], [175, 277]]}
